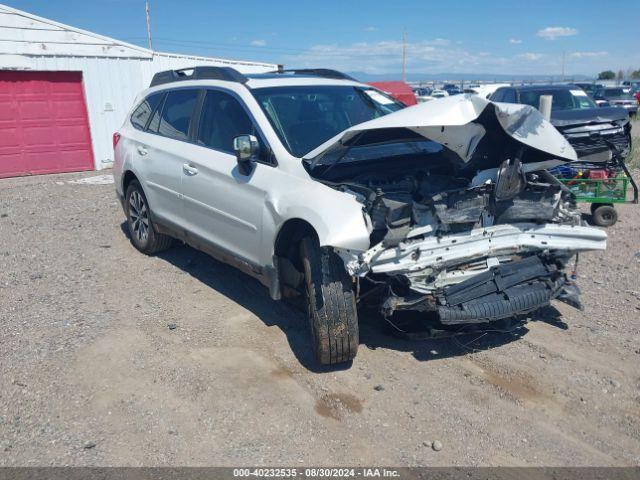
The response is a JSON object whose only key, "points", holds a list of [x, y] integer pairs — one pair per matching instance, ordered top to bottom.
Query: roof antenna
{"points": [[148, 24]]}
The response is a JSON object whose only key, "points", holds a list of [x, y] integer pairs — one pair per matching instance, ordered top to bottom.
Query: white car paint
{"points": [[243, 215], [246, 218]]}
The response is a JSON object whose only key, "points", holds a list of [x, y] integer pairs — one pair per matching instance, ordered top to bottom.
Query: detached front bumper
{"points": [[505, 291]]}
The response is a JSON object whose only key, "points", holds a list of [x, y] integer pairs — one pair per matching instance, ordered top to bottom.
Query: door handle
{"points": [[142, 150], [189, 170]]}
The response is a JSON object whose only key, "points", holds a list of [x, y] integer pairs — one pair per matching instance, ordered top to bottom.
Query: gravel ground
{"points": [[109, 357]]}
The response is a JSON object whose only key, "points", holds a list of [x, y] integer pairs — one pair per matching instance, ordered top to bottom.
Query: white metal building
{"points": [[65, 91]]}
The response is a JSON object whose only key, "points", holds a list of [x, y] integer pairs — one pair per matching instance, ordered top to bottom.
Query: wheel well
{"points": [[127, 178], [289, 237], [287, 251]]}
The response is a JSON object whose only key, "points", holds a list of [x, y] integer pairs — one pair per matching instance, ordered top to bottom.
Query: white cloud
{"points": [[371, 29], [551, 33], [439, 41], [515, 41], [258, 43], [588, 54], [434, 55], [448, 56], [532, 57]]}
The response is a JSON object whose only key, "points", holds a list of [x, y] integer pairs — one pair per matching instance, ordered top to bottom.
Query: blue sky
{"points": [[494, 36]]}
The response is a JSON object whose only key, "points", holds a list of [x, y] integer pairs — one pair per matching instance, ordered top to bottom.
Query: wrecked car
{"points": [[591, 130], [326, 189]]}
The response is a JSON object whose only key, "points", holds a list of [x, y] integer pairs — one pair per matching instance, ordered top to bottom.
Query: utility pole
{"points": [[148, 24], [404, 55], [563, 62]]}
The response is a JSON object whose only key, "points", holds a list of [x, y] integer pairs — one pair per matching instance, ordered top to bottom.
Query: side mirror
{"points": [[247, 149]]}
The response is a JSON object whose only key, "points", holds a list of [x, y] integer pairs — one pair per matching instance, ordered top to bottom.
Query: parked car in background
{"points": [[590, 88], [451, 89], [399, 90], [436, 93], [423, 94], [618, 97], [586, 126], [327, 189]]}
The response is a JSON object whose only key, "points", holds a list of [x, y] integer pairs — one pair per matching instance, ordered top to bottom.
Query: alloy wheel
{"points": [[139, 216]]}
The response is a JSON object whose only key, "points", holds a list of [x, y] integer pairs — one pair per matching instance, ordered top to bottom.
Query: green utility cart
{"points": [[600, 185]]}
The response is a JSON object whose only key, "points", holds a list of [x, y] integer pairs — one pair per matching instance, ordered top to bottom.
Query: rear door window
{"points": [[142, 114], [176, 114]]}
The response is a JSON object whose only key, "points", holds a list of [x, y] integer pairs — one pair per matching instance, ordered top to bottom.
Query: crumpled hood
{"points": [[459, 123]]}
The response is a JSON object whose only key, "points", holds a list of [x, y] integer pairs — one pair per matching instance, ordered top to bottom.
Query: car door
{"points": [[161, 158], [221, 205]]}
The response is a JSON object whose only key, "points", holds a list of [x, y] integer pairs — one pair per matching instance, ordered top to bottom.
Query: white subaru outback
{"points": [[325, 187]]}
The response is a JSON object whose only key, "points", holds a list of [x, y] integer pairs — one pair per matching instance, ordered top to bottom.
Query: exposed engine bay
{"points": [[471, 241], [472, 251]]}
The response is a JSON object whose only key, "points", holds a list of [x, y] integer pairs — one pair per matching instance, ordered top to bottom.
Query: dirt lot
{"points": [[108, 357]]}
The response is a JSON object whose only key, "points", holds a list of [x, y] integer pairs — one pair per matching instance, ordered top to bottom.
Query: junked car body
{"points": [[591, 130], [443, 209]]}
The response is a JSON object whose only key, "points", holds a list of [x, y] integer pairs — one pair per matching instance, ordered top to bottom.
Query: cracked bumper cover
{"points": [[530, 281]]}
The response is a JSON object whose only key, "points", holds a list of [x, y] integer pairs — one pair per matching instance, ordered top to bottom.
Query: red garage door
{"points": [[43, 123]]}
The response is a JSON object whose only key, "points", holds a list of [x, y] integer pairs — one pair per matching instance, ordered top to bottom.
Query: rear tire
{"points": [[604, 215], [142, 232], [331, 302]]}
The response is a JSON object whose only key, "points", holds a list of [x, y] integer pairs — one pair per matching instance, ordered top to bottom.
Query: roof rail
{"points": [[318, 72], [198, 73]]}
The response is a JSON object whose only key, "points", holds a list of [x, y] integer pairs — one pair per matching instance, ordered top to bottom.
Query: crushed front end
{"points": [[469, 232], [472, 256]]}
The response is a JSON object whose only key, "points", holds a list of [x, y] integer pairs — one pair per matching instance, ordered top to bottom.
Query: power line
{"points": [[228, 46]]}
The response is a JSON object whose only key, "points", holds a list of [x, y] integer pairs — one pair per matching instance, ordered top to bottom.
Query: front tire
{"points": [[141, 229], [331, 302]]}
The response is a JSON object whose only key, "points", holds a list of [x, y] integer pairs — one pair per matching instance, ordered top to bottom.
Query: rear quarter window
{"points": [[141, 115]]}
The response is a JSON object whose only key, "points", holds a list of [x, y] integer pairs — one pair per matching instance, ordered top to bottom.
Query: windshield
{"points": [[615, 93], [562, 99], [307, 116]]}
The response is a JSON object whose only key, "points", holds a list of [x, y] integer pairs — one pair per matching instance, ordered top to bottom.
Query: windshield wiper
{"points": [[347, 149]]}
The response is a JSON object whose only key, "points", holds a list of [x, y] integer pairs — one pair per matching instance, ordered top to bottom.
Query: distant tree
{"points": [[635, 74], [607, 75], [620, 75]]}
